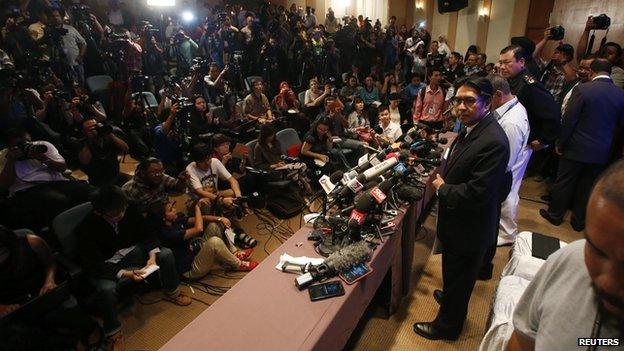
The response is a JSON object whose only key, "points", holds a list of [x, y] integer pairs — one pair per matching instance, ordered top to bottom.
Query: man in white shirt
{"points": [[512, 117], [391, 131], [33, 175], [577, 298]]}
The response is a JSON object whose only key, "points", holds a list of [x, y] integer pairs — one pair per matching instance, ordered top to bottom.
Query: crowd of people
{"points": [[82, 85]]}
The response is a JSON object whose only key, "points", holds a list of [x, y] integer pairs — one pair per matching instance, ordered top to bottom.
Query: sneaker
{"points": [[244, 254], [246, 266], [181, 299], [115, 342]]}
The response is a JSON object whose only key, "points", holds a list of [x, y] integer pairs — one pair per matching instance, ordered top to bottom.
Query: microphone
{"points": [[442, 141], [428, 161], [381, 192], [409, 193], [362, 206], [336, 263]]}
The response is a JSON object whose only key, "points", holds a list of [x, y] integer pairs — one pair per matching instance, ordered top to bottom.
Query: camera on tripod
{"points": [[149, 28], [200, 65], [139, 84]]}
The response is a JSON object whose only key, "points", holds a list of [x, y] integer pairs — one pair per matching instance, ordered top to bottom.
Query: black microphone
{"points": [[442, 141], [428, 161], [409, 193], [336, 263]]}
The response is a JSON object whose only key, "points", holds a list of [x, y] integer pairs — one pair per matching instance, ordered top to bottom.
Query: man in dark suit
{"points": [[594, 112], [469, 193], [114, 246]]}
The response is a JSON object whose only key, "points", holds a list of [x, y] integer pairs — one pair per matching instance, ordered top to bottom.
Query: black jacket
{"points": [[542, 109], [593, 114], [474, 178], [98, 242]]}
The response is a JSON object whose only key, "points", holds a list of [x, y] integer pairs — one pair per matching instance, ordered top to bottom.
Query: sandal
{"points": [[244, 241], [244, 254]]}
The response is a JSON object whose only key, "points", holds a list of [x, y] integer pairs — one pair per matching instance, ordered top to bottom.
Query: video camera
{"points": [[80, 13], [149, 28], [200, 65], [254, 201]]}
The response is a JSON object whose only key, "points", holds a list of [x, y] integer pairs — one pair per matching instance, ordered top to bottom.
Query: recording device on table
{"points": [[336, 263], [355, 273], [326, 290]]}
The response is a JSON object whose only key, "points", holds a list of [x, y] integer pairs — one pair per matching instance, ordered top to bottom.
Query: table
{"points": [[265, 311]]}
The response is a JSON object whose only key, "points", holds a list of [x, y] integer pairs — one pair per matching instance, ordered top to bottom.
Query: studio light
{"points": [[188, 16], [421, 24]]}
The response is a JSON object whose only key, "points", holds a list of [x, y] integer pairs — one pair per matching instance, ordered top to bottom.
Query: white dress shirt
{"points": [[512, 117]]}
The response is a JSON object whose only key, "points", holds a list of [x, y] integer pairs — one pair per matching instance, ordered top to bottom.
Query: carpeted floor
{"points": [[150, 322]]}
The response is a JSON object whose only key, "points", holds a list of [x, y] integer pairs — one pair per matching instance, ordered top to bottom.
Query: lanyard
{"points": [[509, 108], [595, 333]]}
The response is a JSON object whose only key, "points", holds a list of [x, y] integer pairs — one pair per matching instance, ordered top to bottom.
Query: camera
{"points": [[81, 13], [602, 21], [556, 33], [200, 65], [139, 83], [60, 95], [184, 104], [103, 129], [27, 147]]}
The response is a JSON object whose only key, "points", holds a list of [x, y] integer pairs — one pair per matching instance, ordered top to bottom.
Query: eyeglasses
{"points": [[467, 101]]}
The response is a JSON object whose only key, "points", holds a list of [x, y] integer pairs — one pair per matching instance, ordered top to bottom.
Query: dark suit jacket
{"points": [[543, 111], [594, 111], [474, 178], [98, 242]]}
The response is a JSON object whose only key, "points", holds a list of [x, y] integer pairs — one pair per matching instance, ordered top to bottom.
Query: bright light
{"points": [[161, 3], [344, 3], [419, 5], [483, 12], [188, 16], [421, 24]]}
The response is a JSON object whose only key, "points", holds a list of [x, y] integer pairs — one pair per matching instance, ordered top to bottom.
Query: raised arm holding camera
{"points": [[558, 71], [98, 154]]}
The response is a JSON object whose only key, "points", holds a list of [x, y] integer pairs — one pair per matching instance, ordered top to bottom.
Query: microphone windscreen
{"points": [[391, 155], [403, 156], [336, 176], [370, 185], [385, 186], [409, 193], [364, 203], [349, 256]]}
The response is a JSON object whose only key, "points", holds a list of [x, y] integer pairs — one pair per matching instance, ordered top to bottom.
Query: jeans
{"points": [[137, 258]]}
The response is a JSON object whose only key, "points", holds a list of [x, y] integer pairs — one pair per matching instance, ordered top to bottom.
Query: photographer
{"points": [[16, 39], [72, 44], [182, 50], [610, 50], [559, 71], [215, 89], [256, 106], [202, 120], [135, 123], [167, 143], [98, 155], [33, 175]]}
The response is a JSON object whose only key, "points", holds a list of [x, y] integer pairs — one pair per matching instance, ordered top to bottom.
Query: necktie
{"points": [[460, 139]]}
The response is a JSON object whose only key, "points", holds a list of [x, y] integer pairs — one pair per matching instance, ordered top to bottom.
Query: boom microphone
{"points": [[336, 263]]}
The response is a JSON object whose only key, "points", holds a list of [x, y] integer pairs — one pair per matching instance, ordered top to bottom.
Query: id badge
{"points": [[431, 111]]}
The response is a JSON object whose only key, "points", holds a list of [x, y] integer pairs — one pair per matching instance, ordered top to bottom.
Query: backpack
{"points": [[285, 204]]}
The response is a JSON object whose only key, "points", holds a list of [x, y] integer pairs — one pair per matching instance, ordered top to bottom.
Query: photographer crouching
{"points": [[98, 154], [33, 175]]}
